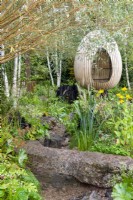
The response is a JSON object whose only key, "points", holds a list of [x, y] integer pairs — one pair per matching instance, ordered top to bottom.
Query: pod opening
{"points": [[101, 66]]}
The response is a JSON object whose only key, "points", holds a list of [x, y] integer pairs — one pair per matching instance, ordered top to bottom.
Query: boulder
{"points": [[60, 165]]}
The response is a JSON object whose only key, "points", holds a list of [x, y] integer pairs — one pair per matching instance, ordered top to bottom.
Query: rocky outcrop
{"points": [[60, 165]]}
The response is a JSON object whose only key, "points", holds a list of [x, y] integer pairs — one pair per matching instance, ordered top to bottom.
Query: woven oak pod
{"points": [[98, 61]]}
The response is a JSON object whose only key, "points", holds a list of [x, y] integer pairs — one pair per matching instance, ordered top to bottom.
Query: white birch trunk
{"points": [[58, 65], [49, 68], [57, 68], [126, 69], [19, 74], [59, 74], [5, 78], [58, 78], [6, 83], [14, 87]]}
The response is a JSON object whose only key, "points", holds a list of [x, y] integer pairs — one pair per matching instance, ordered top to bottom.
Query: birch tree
{"points": [[36, 17], [27, 24], [35, 27], [49, 67], [126, 67], [4, 74], [19, 76], [6, 83], [13, 90]]}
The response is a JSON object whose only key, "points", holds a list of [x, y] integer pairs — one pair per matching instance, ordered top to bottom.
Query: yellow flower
{"points": [[124, 89], [101, 91], [118, 95], [128, 97], [121, 101]]}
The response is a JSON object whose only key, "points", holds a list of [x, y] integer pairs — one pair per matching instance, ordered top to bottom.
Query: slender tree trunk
{"points": [[58, 64], [49, 68], [57, 68], [126, 69], [28, 73], [59, 73], [4, 74], [19, 74], [58, 78], [6, 83], [14, 87]]}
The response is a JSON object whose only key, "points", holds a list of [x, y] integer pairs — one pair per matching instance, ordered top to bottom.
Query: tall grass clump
{"points": [[85, 110]]}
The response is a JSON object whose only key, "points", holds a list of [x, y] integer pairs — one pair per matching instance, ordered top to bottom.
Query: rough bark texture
{"points": [[60, 165]]}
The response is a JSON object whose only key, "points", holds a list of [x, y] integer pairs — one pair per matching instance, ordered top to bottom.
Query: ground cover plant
{"points": [[16, 182], [123, 190]]}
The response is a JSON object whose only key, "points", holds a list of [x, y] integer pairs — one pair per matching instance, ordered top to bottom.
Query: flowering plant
{"points": [[124, 96]]}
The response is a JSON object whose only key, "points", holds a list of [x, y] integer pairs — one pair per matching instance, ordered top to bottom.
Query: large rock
{"points": [[60, 165]]}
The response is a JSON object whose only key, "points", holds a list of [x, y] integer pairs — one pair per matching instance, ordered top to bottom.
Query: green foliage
{"points": [[38, 68], [45, 90], [33, 105], [6, 106], [32, 108], [57, 108], [85, 110], [99, 118], [114, 120], [120, 120], [105, 123], [124, 128], [36, 131], [6, 143], [108, 148], [22, 157], [16, 183], [124, 189], [122, 192]]}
